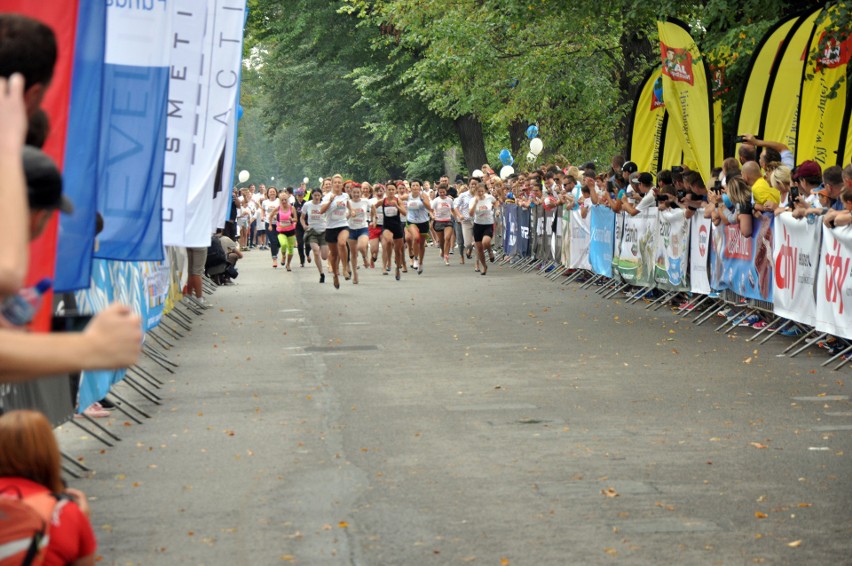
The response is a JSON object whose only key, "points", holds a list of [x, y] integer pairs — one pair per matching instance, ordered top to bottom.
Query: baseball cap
{"points": [[629, 167], [807, 169], [44, 182]]}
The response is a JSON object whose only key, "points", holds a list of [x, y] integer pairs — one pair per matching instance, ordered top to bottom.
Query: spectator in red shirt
{"points": [[30, 464]]}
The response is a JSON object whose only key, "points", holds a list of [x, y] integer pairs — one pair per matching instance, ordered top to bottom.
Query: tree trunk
{"points": [[637, 53], [517, 133], [472, 141]]}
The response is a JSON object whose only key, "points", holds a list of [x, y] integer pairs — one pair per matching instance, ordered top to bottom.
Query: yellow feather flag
{"points": [[762, 73], [686, 90], [823, 99], [782, 112], [647, 132], [672, 147]]}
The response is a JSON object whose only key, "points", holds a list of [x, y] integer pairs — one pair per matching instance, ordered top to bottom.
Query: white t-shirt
{"points": [[648, 201], [374, 202], [462, 204], [271, 207], [443, 209], [417, 212], [484, 212], [336, 213], [360, 214], [315, 219]]}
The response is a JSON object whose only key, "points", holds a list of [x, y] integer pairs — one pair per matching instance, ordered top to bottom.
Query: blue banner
{"points": [[510, 229], [77, 231], [602, 240], [524, 243], [747, 261]]}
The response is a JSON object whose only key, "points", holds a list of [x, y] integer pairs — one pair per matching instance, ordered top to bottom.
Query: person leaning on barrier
{"points": [[769, 151], [695, 195], [648, 196], [765, 197], [740, 210], [838, 218]]}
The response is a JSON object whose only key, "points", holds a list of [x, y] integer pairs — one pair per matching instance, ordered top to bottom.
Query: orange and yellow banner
{"points": [[686, 90]]}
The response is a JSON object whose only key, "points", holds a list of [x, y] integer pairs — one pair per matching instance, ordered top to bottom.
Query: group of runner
{"points": [[343, 220]]}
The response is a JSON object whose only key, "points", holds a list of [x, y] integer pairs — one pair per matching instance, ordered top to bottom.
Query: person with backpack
{"points": [[40, 519]]}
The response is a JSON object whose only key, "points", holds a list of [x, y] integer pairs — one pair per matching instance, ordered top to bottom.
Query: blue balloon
{"points": [[239, 112], [532, 131], [505, 156]]}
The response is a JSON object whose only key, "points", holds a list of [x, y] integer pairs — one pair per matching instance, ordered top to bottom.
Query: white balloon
{"points": [[536, 145], [531, 157], [506, 172], [477, 174], [244, 176], [305, 180], [320, 180]]}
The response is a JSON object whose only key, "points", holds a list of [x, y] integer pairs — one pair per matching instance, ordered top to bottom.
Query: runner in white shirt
{"points": [[419, 210], [482, 210], [442, 213], [359, 216], [313, 221], [376, 224], [337, 228]]}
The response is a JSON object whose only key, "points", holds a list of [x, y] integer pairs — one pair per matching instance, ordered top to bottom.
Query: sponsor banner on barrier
{"points": [[188, 21], [133, 132], [510, 229], [580, 239], [602, 240], [524, 243], [616, 246], [636, 252], [671, 253], [699, 254], [717, 255], [796, 258], [565, 260], [747, 262], [834, 284]]}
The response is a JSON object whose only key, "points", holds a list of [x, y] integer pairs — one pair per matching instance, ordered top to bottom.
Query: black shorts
{"points": [[441, 226], [422, 227], [395, 229], [482, 230], [331, 234]]}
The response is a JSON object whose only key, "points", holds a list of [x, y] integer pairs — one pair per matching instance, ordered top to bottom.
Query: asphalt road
{"points": [[451, 418]]}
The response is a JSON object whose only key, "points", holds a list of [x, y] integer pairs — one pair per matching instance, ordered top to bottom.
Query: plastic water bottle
{"points": [[21, 308]]}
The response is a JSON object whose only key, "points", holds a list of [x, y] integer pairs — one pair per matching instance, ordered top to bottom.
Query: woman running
{"points": [[270, 207], [419, 208], [482, 210], [442, 213], [359, 216], [287, 218], [313, 221], [376, 224], [337, 229], [392, 235]]}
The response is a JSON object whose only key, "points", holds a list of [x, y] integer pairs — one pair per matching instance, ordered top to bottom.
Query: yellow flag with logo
{"points": [[686, 90], [823, 100], [647, 132]]}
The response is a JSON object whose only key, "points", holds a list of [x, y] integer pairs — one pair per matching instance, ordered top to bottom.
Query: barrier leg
{"points": [[590, 282], [619, 288], [639, 295], [661, 299], [686, 312], [701, 319], [736, 322], [764, 329], [776, 331], [801, 339], [159, 340], [808, 344], [836, 356], [845, 361], [156, 384], [141, 390], [131, 405], [121, 409], [100, 427], [91, 433], [77, 463], [71, 472]]}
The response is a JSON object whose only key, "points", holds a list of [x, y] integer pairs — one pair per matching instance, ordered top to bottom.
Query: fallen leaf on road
{"points": [[747, 361], [758, 445], [609, 492], [803, 505], [760, 515], [342, 524], [795, 544], [611, 551], [288, 558], [504, 562]]}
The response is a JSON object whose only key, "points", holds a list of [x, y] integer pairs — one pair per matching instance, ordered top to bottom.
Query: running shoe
{"points": [[748, 320], [760, 325], [791, 331]]}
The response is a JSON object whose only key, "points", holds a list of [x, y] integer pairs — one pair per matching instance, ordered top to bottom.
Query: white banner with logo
{"points": [[188, 18], [218, 87], [581, 235], [671, 250], [636, 253], [699, 254], [796, 259], [834, 284]]}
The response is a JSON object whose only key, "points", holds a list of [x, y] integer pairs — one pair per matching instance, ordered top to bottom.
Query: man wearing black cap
{"points": [[112, 339]]}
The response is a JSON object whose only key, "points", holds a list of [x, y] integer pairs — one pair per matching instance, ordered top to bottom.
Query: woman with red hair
{"points": [[30, 470]]}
